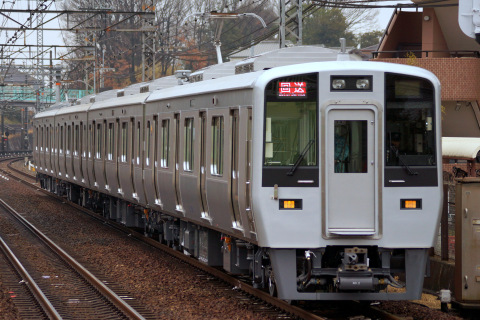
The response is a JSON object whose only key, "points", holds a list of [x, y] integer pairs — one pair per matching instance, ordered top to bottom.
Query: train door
{"points": [[234, 118], [203, 161], [351, 171]]}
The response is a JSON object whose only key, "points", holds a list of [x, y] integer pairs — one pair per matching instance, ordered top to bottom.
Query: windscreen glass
{"points": [[291, 122], [410, 127]]}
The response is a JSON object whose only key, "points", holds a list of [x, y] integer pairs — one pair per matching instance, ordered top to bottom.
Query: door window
{"points": [[350, 146]]}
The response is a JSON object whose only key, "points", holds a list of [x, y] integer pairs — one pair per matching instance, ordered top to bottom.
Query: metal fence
{"points": [[28, 94], [445, 244]]}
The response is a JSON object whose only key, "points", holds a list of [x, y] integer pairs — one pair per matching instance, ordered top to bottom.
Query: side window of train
{"points": [[148, 135], [47, 136], [92, 136], [189, 136], [124, 138], [110, 139], [61, 140], [69, 140], [98, 141], [139, 143], [165, 143], [76, 144], [217, 146]]}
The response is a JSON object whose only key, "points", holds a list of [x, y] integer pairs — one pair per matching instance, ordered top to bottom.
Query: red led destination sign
{"points": [[292, 89]]}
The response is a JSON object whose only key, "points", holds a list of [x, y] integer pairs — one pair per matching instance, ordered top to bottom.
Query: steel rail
{"points": [[99, 285], [245, 287], [46, 305]]}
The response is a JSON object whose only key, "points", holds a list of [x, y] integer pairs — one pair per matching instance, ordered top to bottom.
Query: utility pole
{"points": [[291, 22], [149, 35]]}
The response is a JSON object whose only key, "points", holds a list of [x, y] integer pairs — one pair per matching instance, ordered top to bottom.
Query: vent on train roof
{"points": [[244, 68], [197, 77], [144, 89], [120, 93], [92, 99]]}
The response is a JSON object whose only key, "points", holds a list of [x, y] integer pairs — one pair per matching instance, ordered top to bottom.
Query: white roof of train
{"points": [[227, 83], [121, 101]]}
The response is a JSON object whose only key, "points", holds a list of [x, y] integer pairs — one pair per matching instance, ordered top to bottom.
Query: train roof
{"points": [[268, 60], [354, 66], [242, 81], [121, 101], [74, 109], [47, 113]]}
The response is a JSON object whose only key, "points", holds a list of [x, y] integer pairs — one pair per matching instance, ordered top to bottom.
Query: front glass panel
{"points": [[291, 121], [409, 134], [290, 146], [350, 146]]}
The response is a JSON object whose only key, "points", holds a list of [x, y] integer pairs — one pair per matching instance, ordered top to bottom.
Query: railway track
{"points": [[61, 286], [265, 302]]}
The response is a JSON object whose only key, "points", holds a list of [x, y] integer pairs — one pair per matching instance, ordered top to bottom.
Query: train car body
{"points": [[320, 180]]}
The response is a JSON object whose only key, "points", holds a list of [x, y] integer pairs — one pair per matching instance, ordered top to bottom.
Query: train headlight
{"points": [[351, 83], [338, 84], [363, 84]]}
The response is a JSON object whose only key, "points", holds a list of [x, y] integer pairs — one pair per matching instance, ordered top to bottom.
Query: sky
{"points": [[57, 38]]}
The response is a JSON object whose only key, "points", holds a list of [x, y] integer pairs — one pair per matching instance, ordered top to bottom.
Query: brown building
{"points": [[432, 39]]}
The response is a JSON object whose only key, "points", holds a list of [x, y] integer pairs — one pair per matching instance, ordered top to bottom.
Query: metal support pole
{"points": [[291, 22], [149, 36], [444, 225]]}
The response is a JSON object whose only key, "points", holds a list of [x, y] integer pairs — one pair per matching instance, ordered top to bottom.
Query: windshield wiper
{"points": [[300, 158], [407, 167]]}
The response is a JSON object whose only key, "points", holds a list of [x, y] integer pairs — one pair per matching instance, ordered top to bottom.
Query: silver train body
{"points": [[319, 180]]}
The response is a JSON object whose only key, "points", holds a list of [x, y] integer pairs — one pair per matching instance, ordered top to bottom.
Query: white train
{"points": [[320, 180]]}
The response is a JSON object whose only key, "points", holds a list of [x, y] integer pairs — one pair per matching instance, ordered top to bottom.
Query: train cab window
{"points": [[290, 131], [410, 135], [189, 136], [124, 138], [165, 143], [217, 146], [350, 146], [410, 158]]}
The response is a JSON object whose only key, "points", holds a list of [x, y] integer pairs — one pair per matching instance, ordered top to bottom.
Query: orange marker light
{"points": [[289, 204], [410, 204]]}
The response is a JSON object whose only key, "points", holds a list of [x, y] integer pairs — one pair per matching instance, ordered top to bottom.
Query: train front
{"points": [[347, 179]]}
